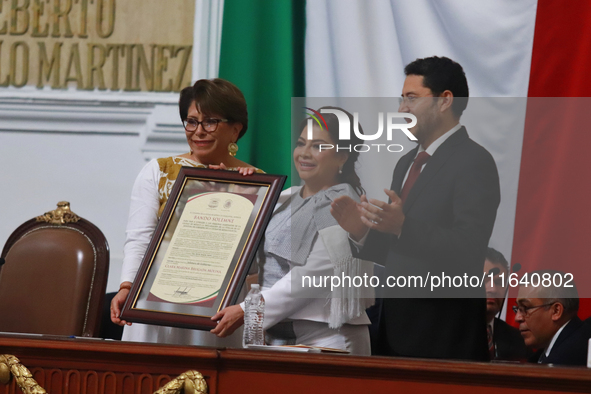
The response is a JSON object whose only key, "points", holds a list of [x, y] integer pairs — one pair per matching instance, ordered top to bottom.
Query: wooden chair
{"points": [[54, 276]]}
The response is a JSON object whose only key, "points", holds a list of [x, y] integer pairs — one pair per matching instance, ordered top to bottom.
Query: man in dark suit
{"points": [[443, 202], [548, 322], [504, 341]]}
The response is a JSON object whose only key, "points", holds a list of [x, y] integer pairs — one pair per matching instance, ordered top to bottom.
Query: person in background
{"points": [[215, 117], [443, 201], [303, 239], [548, 321], [504, 341]]}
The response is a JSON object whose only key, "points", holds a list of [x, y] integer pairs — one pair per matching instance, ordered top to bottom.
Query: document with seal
{"points": [[202, 247]]}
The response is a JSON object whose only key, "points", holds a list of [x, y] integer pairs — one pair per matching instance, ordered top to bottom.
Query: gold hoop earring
{"points": [[232, 148]]}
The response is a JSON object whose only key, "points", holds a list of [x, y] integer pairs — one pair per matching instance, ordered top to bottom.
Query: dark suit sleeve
{"points": [[474, 204], [372, 249], [509, 343], [571, 345]]}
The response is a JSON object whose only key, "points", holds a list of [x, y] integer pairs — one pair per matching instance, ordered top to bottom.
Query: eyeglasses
{"points": [[410, 100], [209, 125], [525, 310]]}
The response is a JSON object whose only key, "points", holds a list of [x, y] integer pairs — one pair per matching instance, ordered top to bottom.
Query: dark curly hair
{"points": [[441, 74], [215, 96]]}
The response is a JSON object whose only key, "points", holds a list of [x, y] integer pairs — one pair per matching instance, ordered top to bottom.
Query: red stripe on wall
{"points": [[562, 50], [553, 220]]}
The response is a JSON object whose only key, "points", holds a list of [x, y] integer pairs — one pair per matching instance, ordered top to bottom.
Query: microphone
{"points": [[514, 269], [494, 271]]}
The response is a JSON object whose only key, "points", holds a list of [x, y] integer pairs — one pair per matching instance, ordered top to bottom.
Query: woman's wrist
{"points": [[125, 285]]}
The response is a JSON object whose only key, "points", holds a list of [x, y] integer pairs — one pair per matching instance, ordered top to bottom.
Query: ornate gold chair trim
{"points": [[61, 215], [11, 365], [190, 382]]}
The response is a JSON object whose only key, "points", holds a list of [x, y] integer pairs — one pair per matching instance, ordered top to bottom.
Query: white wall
{"points": [[88, 147], [83, 148]]}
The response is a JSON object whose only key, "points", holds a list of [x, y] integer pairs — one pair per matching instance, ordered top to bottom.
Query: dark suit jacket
{"points": [[449, 216], [509, 344], [570, 347]]}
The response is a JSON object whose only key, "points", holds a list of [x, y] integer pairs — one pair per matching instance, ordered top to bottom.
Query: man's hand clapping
{"points": [[358, 218]]}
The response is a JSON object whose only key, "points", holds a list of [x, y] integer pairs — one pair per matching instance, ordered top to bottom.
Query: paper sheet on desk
{"points": [[298, 348]]}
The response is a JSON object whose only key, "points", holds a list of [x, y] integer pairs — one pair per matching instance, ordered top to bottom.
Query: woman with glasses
{"points": [[215, 117], [304, 240]]}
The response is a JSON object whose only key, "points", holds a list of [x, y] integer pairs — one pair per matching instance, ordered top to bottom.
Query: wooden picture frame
{"points": [[202, 248]]}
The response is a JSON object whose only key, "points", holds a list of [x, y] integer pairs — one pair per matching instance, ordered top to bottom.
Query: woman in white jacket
{"points": [[215, 116], [304, 241]]}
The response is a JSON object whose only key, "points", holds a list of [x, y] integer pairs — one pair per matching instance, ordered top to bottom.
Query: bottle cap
{"points": [[254, 286]]}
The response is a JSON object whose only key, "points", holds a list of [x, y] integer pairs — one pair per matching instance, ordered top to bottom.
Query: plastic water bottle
{"points": [[254, 311]]}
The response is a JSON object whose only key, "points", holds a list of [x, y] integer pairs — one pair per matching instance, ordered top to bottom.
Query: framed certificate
{"points": [[202, 247]]}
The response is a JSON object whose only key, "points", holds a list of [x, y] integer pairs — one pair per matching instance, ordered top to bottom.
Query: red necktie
{"points": [[413, 174], [491, 343]]}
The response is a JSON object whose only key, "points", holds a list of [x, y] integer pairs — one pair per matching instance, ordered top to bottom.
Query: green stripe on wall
{"points": [[262, 52]]}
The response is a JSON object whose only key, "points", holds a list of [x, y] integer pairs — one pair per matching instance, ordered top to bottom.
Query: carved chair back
{"points": [[54, 276]]}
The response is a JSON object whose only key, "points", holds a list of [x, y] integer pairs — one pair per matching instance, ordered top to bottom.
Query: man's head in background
{"points": [[436, 92], [497, 265], [541, 311]]}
